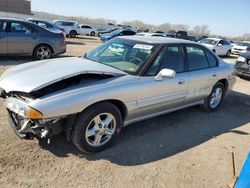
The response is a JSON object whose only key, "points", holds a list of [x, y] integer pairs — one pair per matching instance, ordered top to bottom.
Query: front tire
{"points": [[92, 33], [228, 53], [213, 101], [97, 127]]}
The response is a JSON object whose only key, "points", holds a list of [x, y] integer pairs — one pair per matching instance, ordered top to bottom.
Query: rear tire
{"points": [[73, 34], [42, 52], [213, 101], [97, 127]]}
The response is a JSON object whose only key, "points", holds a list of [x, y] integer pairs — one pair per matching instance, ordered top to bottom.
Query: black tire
{"points": [[92, 33], [73, 34], [214, 51], [42, 52], [228, 53], [207, 104], [84, 120]]}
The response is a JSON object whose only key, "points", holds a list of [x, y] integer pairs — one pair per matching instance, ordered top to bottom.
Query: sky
{"points": [[224, 17]]}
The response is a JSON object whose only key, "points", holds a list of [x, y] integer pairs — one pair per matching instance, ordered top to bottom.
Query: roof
{"points": [[11, 19], [213, 38], [156, 40]]}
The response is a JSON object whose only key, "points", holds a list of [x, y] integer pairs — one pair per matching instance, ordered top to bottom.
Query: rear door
{"points": [[3, 37], [21, 38], [202, 67]]}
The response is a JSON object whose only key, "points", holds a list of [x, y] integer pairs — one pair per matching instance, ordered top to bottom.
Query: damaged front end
{"points": [[28, 123]]}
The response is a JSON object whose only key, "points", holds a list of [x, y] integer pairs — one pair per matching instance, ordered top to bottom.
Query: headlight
{"points": [[242, 59], [21, 108]]}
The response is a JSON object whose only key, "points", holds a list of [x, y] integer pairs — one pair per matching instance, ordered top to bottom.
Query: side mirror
{"points": [[219, 44], [165, 73]]}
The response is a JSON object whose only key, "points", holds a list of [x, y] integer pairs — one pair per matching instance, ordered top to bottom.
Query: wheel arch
{"points": [[40, 44], [225, 83], [118, 103], [70, 120]]}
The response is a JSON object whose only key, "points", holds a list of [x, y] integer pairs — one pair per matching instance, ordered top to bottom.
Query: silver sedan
{"points": [[125, 80]]}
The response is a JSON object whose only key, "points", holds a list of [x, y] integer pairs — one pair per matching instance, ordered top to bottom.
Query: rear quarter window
{"points": [[211, 59]]}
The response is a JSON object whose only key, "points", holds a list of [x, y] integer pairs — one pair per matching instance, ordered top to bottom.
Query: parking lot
{"points": [[188, 148]]}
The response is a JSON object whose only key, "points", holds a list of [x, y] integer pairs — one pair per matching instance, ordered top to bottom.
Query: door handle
{"points": [[214, 75], [181, 82]]}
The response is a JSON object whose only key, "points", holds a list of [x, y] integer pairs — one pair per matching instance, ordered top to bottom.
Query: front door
{"points": [[3, 37], [155, 96]]}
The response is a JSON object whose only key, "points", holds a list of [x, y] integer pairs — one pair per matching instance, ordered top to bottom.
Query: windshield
{"points": [[115, 32], [209, 41], [127, 56]]}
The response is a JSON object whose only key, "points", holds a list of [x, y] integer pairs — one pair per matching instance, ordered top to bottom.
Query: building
{"points": [[15, 6]]}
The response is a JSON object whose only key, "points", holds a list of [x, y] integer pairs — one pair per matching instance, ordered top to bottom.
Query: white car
{"points": [[71, 28], [87, 30], [151, 34], [219, 46], [240, 47]]}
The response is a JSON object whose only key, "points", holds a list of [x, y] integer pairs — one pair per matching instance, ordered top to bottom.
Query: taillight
{"points": [[63, 40]]}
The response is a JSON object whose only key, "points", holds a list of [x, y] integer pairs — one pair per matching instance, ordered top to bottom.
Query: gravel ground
{"points": [[188, 148]]}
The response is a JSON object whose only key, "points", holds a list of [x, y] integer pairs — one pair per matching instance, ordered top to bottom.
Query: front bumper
{"points": [[237, 52], [242, 68], [231, 83], [29, 129]]}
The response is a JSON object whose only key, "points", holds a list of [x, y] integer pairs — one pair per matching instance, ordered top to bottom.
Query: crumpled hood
{"points": [[36, 75]]}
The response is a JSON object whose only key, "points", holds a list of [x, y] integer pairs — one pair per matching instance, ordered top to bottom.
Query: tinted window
{"points": [[59, 23], [68, 23], [45, 25], [3, 26], [16, 27], [86, 27], [128, 33], [220, 42], [225, 42], [171, 57], [196, 58], [211, 59]]}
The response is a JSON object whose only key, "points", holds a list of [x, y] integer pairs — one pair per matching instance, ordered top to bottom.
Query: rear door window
{"points": [[196, 58]]}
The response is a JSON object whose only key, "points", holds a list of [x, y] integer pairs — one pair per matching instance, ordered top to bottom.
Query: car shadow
{"points": [[88, 38], [75, 43], [166, 135]]}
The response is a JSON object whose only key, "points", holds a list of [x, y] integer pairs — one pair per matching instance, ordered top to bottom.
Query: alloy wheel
{"points": [[100, 129]]}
